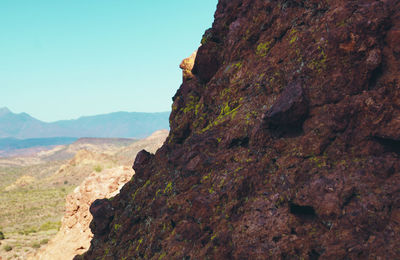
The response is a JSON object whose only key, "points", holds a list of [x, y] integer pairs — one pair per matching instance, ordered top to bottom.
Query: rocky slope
{"points": [[284, 144], [74, 235]]}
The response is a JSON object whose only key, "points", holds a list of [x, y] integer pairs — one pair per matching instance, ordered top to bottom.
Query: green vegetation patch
{"points": [[98, 168], [41, 208], [49, 225], [44, 241], [35, 245], [7, 248]]}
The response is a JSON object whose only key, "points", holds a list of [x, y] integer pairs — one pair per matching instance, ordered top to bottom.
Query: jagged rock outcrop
{"points": [[187, 66], [284, 145]]}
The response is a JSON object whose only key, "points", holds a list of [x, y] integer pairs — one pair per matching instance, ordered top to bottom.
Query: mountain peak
{"points": [[4, 111]]}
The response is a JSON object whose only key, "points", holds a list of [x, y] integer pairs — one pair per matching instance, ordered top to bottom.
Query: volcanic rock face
{"points": [[284, 145]]}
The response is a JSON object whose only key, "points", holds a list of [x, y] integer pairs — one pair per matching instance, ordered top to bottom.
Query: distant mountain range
{"points": [[118, 124], [7, 144]]}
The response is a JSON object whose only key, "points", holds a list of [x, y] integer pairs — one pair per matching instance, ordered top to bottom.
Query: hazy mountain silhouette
{"points": [[118, 124], [10, 143]]}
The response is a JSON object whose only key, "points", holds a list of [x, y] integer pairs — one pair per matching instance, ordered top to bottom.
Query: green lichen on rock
{"points": [[293, 36], [263, 48], [318, 64], [238, 65], [192, 105], [226, 113], [168, 188], [117, 227], [162, 255]]}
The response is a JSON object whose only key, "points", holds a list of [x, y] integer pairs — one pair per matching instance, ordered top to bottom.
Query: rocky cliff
{"points": [[284, 142]]}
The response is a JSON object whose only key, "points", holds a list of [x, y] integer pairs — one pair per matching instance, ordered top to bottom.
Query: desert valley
{"points": [[283, 142], [48, 184], [43, 192]]}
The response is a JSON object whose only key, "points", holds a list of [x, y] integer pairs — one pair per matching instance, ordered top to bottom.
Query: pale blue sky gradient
{"points": [[61, 59]]}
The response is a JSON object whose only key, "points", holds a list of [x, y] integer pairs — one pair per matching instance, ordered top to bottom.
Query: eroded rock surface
{"points": [[187, 66], [233, 182]]}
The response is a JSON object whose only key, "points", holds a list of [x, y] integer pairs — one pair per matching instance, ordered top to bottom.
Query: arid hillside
{"points": [[284, 142], [34, 188], [74, 235]]}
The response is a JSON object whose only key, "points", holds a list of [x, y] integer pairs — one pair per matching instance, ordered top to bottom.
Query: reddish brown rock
{"points": [[289, 110], [142, 158], [233, 181], [103, 213]]}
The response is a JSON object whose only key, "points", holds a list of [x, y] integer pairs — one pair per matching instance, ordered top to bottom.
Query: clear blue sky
{"points": [[61, 59]]}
